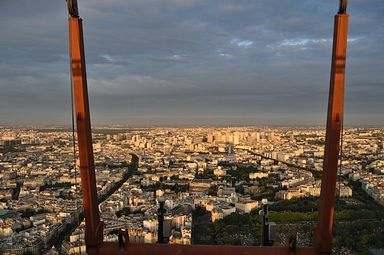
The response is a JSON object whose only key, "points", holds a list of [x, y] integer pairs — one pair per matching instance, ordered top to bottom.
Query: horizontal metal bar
{"points": [[177, 249]]}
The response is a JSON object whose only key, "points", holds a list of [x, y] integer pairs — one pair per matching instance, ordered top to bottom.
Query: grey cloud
{"points": [[177, 61]]}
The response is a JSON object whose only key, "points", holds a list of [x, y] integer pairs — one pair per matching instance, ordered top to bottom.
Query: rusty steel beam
{"points": [[93, 226], [323, 233], [177, 249]]}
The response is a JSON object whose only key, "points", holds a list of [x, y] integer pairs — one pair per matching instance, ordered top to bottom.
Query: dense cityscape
{"points": [[206, 134], [210, 178]]}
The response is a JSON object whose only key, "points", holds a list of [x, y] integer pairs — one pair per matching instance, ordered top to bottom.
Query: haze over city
{"points": [[193, 62]]}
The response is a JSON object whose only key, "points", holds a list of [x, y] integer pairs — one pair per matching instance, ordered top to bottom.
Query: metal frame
{"points": [[94, 227], [323, 234], [177, 249]]}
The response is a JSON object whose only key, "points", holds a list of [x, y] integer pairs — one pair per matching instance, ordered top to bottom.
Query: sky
{"points": [[190, 62]]}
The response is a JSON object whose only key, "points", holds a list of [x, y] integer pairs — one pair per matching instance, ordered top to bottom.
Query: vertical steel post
{"points": [[160, 217], [93, 226], [264, 229], [323, 235]]}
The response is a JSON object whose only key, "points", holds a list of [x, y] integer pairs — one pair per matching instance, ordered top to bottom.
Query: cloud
{"points": [[232, 7], [354, 39], [307, 41], [303, 42], [242, 43], [226, 55], [178, 56], [108, 58], [193, 58], [131, 85]]}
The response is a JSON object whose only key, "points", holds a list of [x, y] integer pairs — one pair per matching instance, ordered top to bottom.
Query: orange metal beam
{"points": [[94, 229], [323, 235], [176, 249]]}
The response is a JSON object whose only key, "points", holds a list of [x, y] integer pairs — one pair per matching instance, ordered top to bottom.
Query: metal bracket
{"points": [[73, 9], [123, 238], [292, 243]]}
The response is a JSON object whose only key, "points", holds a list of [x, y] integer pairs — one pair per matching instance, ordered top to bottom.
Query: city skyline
{"points": [[190, 62], [214, 181]]}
